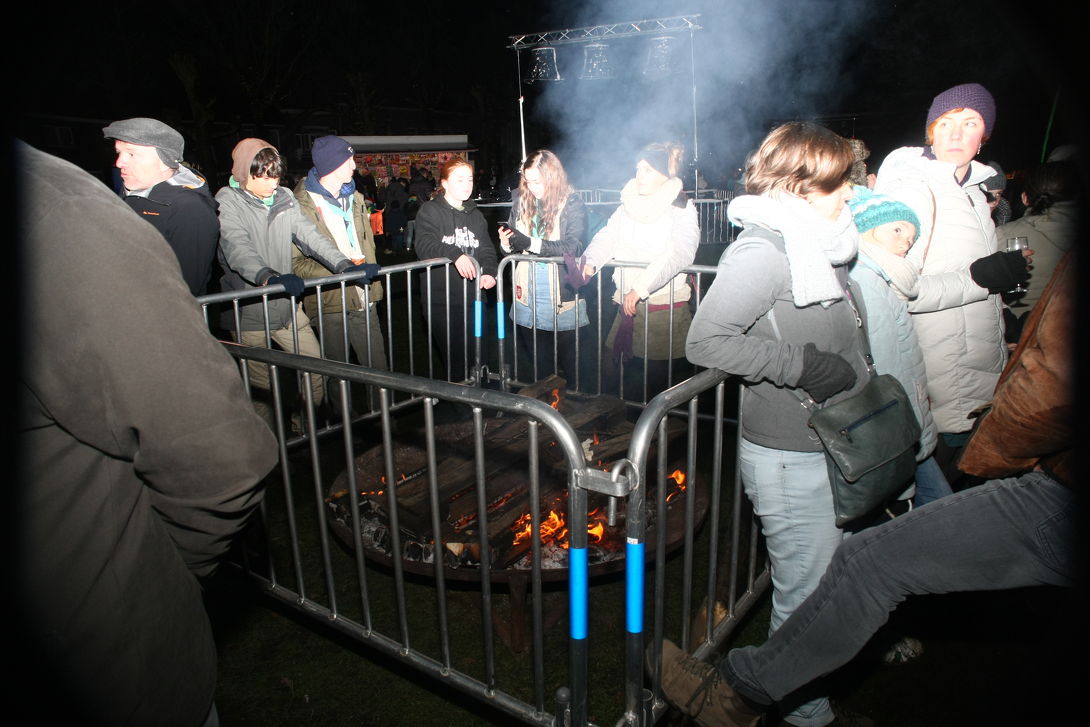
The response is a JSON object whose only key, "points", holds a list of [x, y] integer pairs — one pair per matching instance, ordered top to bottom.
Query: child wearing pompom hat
{"points": [[888, 228]]}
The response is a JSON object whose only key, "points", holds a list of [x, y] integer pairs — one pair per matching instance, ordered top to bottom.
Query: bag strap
{"points": [[807, 401]]}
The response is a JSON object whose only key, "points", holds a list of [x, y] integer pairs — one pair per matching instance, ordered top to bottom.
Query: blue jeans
{"points": [[931, 483], [791, 495], [1006, 533]]}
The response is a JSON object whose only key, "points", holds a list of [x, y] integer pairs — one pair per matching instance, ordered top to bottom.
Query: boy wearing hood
{"points": [[172, 197], [259, 221]]}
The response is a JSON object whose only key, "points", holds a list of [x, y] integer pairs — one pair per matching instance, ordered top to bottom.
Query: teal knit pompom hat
{"points": [[870, 209]]}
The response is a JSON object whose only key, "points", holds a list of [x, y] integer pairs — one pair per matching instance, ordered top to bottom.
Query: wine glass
{"points": [[1015, 244]]}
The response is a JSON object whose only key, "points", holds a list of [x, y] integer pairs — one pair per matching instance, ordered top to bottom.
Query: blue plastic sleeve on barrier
{"points": [[477, 308], [500, 323], [634, 587], [577, 600]]}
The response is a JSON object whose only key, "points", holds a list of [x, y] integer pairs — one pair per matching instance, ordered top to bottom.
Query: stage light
{"points": [[660, 58], [596, 62], [543, 67]]}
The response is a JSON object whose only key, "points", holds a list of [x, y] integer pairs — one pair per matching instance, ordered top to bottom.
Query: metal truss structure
{"points": [[604, 32]]}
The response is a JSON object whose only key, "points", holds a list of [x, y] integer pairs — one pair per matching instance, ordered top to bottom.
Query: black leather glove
{"points": [[519, 242], [370, 270], [1000, 271], [293, 284], [1012, 325], [824, 373]]}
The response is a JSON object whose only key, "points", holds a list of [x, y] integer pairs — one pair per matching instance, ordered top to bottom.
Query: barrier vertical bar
{"points": [[635, 535], [578, 586]]}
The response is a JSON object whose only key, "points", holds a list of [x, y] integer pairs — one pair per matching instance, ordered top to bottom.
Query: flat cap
{"points": [[149, 132]]}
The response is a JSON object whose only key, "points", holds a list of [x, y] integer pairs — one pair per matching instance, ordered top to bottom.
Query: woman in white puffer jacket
{"points": [[655, 224], [957, 311]]}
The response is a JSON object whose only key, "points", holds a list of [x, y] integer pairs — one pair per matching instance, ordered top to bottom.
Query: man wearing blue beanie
{"points": [[328, 197]]}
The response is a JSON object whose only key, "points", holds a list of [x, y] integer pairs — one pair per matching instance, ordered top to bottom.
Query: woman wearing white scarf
{"points": [[655, 224], [783, 316]]}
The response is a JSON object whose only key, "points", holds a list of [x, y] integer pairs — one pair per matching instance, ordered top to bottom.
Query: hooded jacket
{"points": [[183, 211], [442, 231], [256, 242], [306, 267], [958, 323]]}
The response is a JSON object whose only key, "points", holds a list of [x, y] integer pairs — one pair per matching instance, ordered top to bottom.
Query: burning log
{"points": [[600, 420]]}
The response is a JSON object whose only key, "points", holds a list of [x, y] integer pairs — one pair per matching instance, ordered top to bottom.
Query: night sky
{"points": [[867, 68]]}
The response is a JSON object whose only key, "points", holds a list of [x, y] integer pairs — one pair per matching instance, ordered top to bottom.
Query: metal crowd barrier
{"points": [[605, 374], [297, 563], [735, 590], [327, 598]]}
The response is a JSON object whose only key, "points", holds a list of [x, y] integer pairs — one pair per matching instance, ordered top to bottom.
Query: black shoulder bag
{"points": [[869, 439]]}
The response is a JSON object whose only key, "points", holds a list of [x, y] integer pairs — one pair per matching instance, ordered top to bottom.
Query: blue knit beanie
{"points": [[966, 96], [328, 153], [870, 209]]}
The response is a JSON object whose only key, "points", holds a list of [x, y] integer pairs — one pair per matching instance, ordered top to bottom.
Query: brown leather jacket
{"points": [[1030, 419]]}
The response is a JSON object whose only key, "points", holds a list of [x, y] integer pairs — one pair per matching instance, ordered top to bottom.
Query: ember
{"points": [[679, 477]]}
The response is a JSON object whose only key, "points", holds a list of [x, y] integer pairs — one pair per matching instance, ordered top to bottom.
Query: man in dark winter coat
{"points": [[172, 197], [139, 459]]}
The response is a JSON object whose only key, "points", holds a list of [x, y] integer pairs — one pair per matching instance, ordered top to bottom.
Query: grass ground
{"points": [[1005, 658]]}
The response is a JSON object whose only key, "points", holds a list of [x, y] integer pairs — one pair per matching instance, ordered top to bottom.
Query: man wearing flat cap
{"points": [[172, 197]]}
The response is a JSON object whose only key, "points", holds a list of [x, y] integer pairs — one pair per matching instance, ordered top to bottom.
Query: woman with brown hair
{"points": [[547, 218], [450, 226], [783, 315]]}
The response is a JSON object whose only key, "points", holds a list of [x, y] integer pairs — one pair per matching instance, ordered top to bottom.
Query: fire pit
{"points": [[605, 432]]}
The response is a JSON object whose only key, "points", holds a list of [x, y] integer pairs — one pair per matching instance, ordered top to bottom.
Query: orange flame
{"points": [[556, 399], [679, 477], [554, 528]]}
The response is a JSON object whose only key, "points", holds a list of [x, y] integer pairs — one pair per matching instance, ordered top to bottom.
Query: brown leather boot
{"points": [[697, 689]]}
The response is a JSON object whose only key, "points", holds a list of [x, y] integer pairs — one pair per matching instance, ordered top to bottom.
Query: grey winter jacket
{"points": [[255, 245], [733, 331]]}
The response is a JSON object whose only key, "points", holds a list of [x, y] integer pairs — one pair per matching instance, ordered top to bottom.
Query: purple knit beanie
{"points": [[966, 96], [328, 153]]}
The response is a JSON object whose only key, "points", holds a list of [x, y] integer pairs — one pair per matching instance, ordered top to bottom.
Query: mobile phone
{"points": [[504, 227]]}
